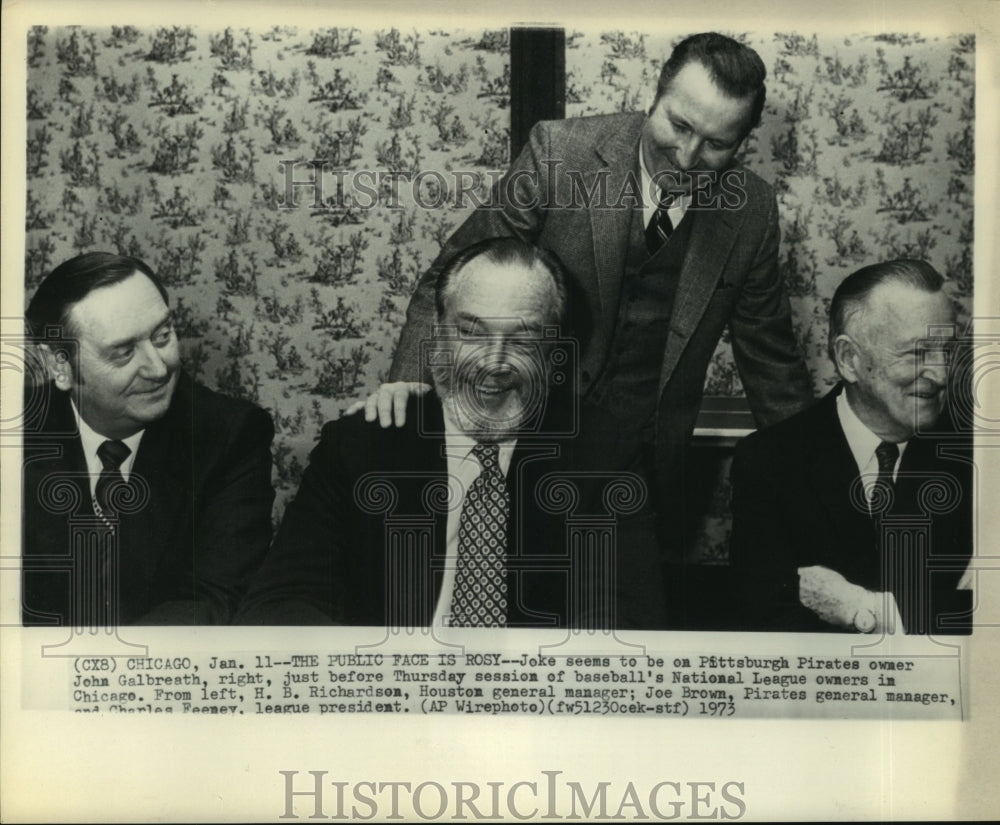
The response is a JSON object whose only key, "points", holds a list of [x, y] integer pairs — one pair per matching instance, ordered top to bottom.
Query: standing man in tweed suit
{"points": [[669, 242]]}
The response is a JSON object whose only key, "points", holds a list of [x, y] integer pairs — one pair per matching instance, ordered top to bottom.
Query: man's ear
{"points": [[846, 355], [57, 366]]}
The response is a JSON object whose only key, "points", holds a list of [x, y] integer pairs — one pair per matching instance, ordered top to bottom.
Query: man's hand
{"points": [[388, 402], [836, 601]]}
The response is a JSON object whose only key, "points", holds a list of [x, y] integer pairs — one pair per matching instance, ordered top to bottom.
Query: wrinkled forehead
{"points": [[693, 88], [486, 289], [128, 307], [901, 315]]}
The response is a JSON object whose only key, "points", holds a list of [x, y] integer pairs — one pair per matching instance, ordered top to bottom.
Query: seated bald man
{"points": [[147, 498], [856, 514], [463, 516]]}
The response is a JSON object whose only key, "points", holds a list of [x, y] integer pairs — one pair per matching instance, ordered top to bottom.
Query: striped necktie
{"points": [[660, 226]]}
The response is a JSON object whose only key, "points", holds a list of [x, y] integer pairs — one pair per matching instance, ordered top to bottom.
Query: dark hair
{"points": [[735, 69], [507, 252], [74, 280], [852, 294]]}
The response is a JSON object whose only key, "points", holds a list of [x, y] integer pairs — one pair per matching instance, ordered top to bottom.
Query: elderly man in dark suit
{"points": [[668, 241], [147, 497], [475, 513], [856, 515]]}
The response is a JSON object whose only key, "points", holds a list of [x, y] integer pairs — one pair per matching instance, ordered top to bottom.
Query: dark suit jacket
{"points": [[730, 274], [792, 507], [363, 543], [186, 552]]}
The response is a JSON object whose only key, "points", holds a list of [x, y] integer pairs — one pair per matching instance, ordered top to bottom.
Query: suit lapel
{"points": [[610, 226], [712, 237], [59, 439], [426, 450], [54, 456], [163, 464], [528, 465], [832, 472], [537, 576]]}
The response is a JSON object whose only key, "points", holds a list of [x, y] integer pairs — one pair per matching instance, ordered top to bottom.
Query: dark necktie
{"points": [[659, 227], [112, 454], [886, 454], [480, 596]]}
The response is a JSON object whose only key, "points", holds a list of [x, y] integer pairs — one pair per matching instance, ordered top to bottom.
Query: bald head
{"points": [[510, 266]]}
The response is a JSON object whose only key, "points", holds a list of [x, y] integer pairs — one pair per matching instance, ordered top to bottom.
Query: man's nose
{"points": [[689, 152], [494, 348], [496, 356], [153, 365], [935, 369]]}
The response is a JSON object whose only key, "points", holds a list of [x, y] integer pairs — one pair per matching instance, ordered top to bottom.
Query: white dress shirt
{"points": [[649, 203], [92, 440], [863, 442]]}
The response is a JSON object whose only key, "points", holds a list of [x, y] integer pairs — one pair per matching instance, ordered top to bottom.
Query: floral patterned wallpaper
{"points": [[868, 140], [176, 145]]}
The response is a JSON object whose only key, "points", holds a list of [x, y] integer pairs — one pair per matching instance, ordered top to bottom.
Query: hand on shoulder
{"points": [[388, 402]]}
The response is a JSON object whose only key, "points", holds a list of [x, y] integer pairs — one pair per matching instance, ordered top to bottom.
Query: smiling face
{"points": [[693, 126], [128, 357], [895, 370], [497, 378]]}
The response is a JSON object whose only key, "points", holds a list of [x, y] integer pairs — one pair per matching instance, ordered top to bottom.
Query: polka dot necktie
{"points": [[660, 226], [111, 454], [480, 596]]}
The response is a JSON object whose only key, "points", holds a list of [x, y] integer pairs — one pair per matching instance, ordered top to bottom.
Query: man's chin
{"points": [[934, 402], [928, 416], [488, 423], [487, 428]]}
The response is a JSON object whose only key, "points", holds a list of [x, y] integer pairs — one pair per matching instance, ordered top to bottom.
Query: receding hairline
{"points": [[735, 69], [747, 98], [743, 107], [529, 272], [72, 280], [851, 298], [877, 298], [868, 317], [69, 325]]}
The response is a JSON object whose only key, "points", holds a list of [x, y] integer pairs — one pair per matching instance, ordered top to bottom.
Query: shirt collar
{"points": [[676, 210], [860, 439], [91, 440], [460, 445]]}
